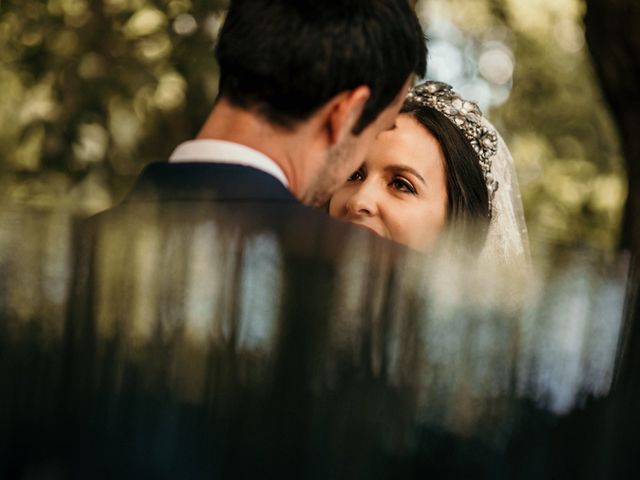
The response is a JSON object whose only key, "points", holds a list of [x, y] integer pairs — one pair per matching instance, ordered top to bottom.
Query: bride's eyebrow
{"points": [[405, 168]]}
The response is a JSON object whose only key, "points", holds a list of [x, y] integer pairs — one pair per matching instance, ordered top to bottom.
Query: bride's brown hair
{"points": [[467, 196]]}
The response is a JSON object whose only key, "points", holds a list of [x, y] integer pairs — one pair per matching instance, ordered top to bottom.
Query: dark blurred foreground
{"points": [[199, 354]]}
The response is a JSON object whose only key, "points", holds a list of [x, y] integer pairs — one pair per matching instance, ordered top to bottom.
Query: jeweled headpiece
{"points": [[465, 115]]}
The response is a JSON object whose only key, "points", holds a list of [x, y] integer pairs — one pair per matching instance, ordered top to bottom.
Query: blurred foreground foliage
{"points": [[94, 89]]}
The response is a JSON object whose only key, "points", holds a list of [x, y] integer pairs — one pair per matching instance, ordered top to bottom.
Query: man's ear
{"points": [[347, 107]]}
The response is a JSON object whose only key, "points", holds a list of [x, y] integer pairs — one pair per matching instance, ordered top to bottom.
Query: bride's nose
{"points": [[363, 201]]}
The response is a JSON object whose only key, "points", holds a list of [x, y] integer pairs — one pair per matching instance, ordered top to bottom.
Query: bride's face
{"points": [[400, 190]]}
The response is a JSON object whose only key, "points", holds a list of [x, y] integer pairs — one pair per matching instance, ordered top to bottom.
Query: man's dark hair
{"points": [[287, 58], [467, 195]]}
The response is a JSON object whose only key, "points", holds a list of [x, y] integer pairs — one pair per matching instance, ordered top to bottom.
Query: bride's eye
{"points": [[357, 176], [402, 185]]}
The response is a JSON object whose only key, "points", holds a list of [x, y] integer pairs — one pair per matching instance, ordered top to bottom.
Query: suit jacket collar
{"points": [[222, 151], [207, 182]]}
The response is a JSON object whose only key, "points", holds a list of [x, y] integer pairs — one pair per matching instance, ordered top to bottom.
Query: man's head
{"points": [[348, 61]]}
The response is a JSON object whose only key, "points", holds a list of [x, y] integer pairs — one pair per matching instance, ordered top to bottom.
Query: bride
{"points": [[443, 167], [443, 173]]}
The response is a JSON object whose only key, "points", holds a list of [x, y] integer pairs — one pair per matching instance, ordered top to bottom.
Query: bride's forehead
{"points": [[409, 129], [408, 138]]}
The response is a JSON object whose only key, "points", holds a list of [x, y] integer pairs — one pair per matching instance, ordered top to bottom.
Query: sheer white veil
{"points": [[507, 240]]}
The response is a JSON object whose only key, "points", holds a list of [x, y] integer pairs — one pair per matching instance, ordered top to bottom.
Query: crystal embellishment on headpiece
{"points": [[466, 116]]}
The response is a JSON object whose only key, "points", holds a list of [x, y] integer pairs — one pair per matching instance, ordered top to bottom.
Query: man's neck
{"points": [[233, 124]]}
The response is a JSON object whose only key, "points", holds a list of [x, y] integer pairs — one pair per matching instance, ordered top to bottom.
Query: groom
{"points": [[305, 87], [203, 301]]}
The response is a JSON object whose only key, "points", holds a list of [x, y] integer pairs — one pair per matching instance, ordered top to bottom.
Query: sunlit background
{"points": [[526, 63], [92, 91]]}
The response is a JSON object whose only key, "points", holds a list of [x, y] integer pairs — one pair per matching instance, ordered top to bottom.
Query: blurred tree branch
{"points": [[500, 11], [614, 43]]}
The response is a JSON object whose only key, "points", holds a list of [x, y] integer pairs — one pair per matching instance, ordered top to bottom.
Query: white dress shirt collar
{"points": [[222, 151]]}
